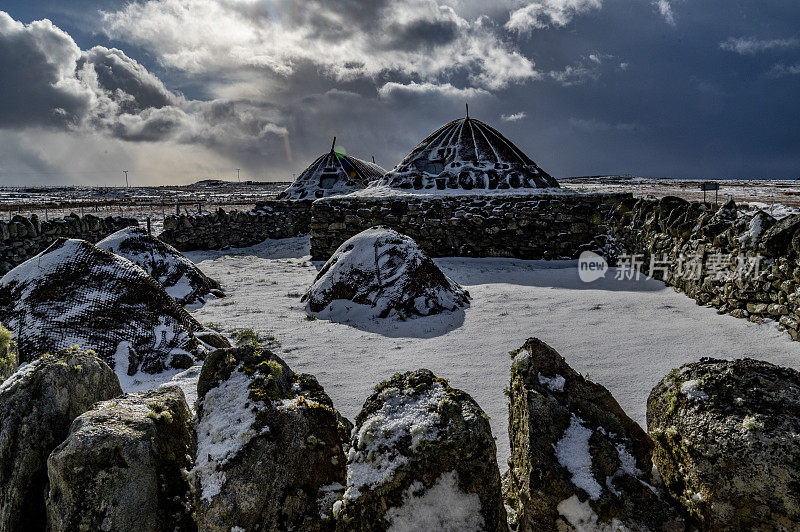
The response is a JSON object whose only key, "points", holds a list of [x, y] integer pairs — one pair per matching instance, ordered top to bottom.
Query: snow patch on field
{"points": [[225, 427], [572, 451], [442, 507]]}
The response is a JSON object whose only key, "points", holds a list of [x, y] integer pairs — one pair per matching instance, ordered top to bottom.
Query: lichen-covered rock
{"points": [[387, 274], [178, 275], [74, 293], [8, 354], [38, 404], [726, 443], [270, 446], [422, 458], [577, 461], [123, 465]]}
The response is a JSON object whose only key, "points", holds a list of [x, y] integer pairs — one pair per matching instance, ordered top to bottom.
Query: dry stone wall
{"points": [[557, 226], [221, 230], [23, 237], [745, 265]]}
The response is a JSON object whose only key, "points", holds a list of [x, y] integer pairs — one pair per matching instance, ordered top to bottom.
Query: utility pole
{"points": [[237, 175], [126, 178]]}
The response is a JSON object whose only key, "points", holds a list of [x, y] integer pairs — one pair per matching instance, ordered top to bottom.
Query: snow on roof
{"points": [[466, 154], [332, 174]]}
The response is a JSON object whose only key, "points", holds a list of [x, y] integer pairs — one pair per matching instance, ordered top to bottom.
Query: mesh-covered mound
{"points": [[466, 154], [331, 174], [387, 274], [178, 275], [74, 293]]}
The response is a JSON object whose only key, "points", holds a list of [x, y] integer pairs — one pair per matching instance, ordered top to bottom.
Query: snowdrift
{"points": [[178, 275], [387, 275], [74, 293]]}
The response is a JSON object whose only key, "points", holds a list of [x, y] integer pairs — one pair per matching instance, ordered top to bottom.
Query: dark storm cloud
{"points": [[121, 75], [36, 76], [666, 88]]}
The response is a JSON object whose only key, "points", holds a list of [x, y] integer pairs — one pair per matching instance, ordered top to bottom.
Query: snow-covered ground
{"points": [[626, 335]]}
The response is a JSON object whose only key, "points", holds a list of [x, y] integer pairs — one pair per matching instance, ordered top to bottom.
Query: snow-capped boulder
{"points": [[387, 274], [178, 275], [74, 293], [8, 354], [37, 406], [726, 443], [270, 450], [422, 458], [577, 461], [123, 465]]}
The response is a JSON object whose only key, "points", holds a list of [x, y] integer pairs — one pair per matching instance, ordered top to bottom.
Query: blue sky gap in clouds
{"points": [[178, 90]]}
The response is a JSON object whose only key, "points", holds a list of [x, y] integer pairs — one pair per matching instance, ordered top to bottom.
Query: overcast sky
{"points": [[179, 90]]}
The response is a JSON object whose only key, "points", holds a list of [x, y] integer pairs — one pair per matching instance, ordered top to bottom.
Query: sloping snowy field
{"points": [[626, 335]]}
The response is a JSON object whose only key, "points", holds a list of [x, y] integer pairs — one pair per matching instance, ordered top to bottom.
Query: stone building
{"points": [[466, 154], [332, 174]]}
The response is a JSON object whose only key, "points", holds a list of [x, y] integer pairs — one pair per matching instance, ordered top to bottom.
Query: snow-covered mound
{"points": [[466, 154], [332, 174], [385, 272], [178, 275], [74, 293]]}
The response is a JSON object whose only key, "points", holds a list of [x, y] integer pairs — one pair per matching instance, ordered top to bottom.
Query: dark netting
{"points": [[178, 275], [74, 293]]}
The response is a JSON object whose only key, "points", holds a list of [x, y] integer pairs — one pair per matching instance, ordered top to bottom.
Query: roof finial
{"points": [[467, 110], [333, 145]]}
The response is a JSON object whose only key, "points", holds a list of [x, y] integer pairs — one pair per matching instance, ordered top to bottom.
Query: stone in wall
{"points": [[552, 226], [222, 230], [23, 237], [745, 265], [37, 406], [725, 437], [270, 450], [422, 458], [577, 461], [123, 466]]}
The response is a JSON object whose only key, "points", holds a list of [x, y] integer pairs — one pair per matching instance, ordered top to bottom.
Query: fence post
{"points": [[149, 232]]}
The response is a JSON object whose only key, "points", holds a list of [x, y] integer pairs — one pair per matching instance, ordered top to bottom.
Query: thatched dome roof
{"points": [[467, 154], [332, 174]]}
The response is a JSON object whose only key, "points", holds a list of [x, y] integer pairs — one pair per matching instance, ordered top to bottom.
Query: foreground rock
{"points": [[388, 274], [178, 275], [74, 293], [8, 354], [37, 406], [726, 435], [269, 445], [422, 458], [577, 461], [121, 467]]}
